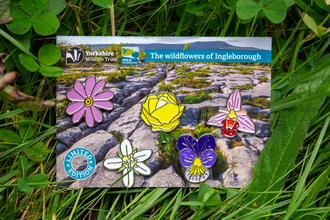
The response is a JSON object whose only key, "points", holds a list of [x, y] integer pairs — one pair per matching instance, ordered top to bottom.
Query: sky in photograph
{"points": [[256, 42]]}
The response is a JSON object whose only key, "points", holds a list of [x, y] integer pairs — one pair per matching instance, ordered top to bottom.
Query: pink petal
{"points": [[90, 83], [79, 87], [98, 87], [74, 96], [103, 96], [234, 101], [103, 104], [74, 107], [97, 114], [77, 116], [89, 117], [217, 119], [245, 124]]}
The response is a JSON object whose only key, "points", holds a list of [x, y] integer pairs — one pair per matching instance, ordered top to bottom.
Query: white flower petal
{"points": [[126, 147], [142, 155], [113, 163], [142, 169], [196, 178], [128, 180]]}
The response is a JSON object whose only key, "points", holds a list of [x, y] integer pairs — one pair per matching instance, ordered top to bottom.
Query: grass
{"points": [[115, 77], [264, 79], [191, 82], [243, 87], [198, 97], [258, 102], [118, 136], [234, 143], [299, 185]]}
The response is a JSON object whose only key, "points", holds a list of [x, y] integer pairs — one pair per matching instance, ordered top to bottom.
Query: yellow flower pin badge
{"points": [[161, 112]]}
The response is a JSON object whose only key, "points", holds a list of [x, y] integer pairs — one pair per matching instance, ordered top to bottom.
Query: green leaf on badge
{"points": [[103, 3], [55, 6], [33, 7], [246, 9], [276, 11], [21, 22], [46, 24], [49, 54], [28, 62], [51, 71], [26, 130], [37, 152], [38, 178], [23, 185]]}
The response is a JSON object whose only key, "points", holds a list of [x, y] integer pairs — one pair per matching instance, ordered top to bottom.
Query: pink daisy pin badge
{"points": [[87, 100], [233, 119]]}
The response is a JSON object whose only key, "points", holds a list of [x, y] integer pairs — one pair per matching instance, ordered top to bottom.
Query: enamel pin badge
{"points": [[86, 101], [162, 113], [233, 119], [197, 157], [130, 162]]}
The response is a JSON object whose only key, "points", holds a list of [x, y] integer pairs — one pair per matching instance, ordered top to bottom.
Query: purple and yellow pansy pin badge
{"points": [[87, 100], [233, 119], [197, 157]]}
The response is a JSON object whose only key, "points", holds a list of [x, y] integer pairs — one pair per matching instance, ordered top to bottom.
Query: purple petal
{"points": [[90, 83], [79, 87], [98, 87], [74, 96], [103, 96], [234, 101], [103, 104], [74, 107], [97, 114], [77, 116], [89, 117], [217, 119], [245, 124], [187, 142], [206, 142], [187, 158], [208, 158], [196, 178]]}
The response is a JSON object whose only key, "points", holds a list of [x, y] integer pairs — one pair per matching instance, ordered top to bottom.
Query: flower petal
{"points": [[90, 83], [99, 85], [79, 87], [74, 96], [103, 96], [170, 97], [234, 101], [151, 103], [103, 104], [74, 107], [181, 108], [166, 112], [97, 114], [78, 115], [89, 117], [148, 118], [217, 119], [245, 124], [166, 127], [186, 141], [206, 142], [126, 147], [142, 155], [187, 158], [208, 158], [113, 163], [142, 169], [196, 178], [128, 180]]}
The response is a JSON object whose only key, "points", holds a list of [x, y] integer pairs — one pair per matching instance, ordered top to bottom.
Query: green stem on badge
{"points": [[162, 135]]}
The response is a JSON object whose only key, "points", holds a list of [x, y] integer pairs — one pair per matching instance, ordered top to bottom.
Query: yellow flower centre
{"points": [[89, 101], [232, 115], [128, 161], [197, 167]]}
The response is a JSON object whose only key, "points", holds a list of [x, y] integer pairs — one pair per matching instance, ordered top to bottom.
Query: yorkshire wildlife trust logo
{"points": [[74, 55], [130, 55], [79, 152]]}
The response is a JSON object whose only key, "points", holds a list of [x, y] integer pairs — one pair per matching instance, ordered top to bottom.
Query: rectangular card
{"points": [[161, 111]]}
